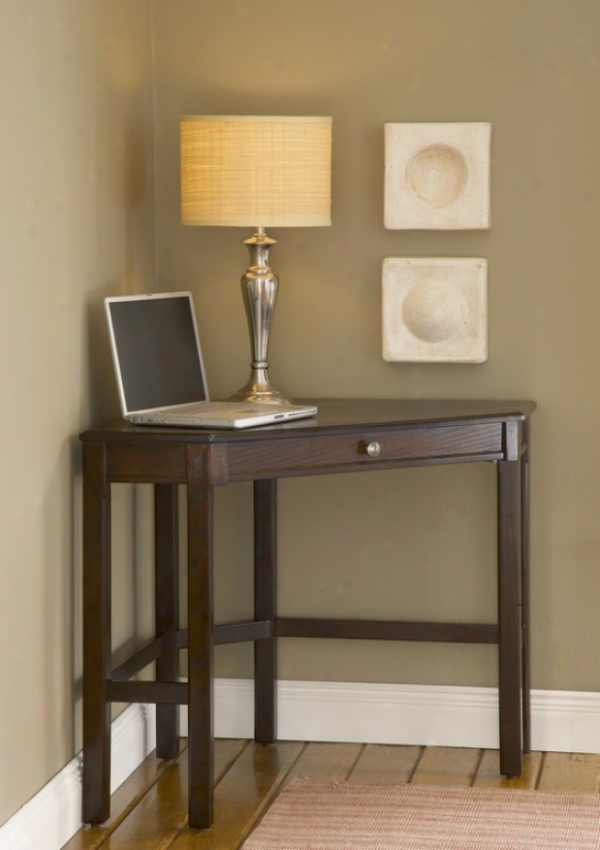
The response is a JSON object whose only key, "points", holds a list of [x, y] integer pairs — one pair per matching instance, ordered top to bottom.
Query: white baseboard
{"points": [[434, 715], [562, 721], [53, 816]]}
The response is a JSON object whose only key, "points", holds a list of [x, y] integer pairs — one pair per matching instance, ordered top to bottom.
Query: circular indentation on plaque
{"points": [[437, 175], [434, 311]]}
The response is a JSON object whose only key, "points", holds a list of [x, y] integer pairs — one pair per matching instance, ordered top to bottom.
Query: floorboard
{"points": [[325, 762], [383, 763], [447, 766], [570, 772], [489, 776], [242, 795], [123, 802], [162, 813]]}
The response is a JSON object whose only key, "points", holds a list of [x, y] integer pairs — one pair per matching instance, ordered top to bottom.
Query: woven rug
{"points": [[321, 816]]}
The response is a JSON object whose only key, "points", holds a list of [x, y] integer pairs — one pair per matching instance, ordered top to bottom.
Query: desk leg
{"points": [[525, 593], [166, 605], [265, 608], [509, 616], [96, 635], [200, 637]]}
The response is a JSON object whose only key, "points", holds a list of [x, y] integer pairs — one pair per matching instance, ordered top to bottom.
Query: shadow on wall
{"points": [[132, 188], [123, 251], [104, 397], [131, 526]]}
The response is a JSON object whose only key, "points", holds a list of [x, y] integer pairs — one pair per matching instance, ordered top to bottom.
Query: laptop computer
{"points": [[160, 372]]}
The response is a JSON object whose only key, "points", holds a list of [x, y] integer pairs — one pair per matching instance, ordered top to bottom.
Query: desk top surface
{"points": [[334, 416]]}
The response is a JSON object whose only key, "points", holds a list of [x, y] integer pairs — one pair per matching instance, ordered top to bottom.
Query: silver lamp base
{"points": [[259, 292], [258, 389]]}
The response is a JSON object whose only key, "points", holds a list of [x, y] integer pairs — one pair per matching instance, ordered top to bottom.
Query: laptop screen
{"points": [[156, 351]]}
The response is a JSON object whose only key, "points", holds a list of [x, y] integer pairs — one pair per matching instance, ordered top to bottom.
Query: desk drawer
{"points": [[372, 447]]}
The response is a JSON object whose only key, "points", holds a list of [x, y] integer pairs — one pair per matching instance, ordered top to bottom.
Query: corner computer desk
{"points": [[346, 436]]}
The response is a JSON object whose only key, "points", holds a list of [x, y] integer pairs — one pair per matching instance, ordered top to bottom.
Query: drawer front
{"points": [[372, 447]]}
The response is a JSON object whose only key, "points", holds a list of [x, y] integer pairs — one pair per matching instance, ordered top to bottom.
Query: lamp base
{"points": [[258, 390]]}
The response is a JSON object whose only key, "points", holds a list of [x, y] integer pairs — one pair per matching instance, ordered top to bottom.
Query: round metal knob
{"points": [[373, 449]]}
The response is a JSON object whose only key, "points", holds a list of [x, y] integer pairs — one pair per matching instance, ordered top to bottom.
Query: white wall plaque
{"points": [[437, 176], [434, 309]]}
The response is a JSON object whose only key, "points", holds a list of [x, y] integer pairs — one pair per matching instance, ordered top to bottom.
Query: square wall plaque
{"points": [[437, 176], [434, 310]]}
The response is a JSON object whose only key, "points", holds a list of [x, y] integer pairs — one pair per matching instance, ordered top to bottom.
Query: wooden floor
{"points": [[149, 809]]}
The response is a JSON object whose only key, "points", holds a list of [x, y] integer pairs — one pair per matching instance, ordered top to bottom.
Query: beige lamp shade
{"points": [[256, 171]]}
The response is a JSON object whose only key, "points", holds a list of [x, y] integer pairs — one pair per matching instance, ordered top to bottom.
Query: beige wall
{"points": [[78, 135], [76, 223], [416, 543]]}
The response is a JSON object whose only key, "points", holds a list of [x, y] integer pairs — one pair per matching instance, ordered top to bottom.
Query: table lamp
{"points": [[247, 171]]}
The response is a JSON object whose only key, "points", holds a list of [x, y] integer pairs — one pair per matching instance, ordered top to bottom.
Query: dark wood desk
{"points": [[347, 436]]}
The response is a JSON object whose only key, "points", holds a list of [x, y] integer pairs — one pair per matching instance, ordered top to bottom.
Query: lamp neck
{"points": [[259, 246]]}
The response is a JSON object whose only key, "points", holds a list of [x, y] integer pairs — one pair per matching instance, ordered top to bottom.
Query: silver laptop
{"points": [[160, 373]]}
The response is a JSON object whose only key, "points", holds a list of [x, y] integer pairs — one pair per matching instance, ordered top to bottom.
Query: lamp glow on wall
{"points": [[260, 172]]}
